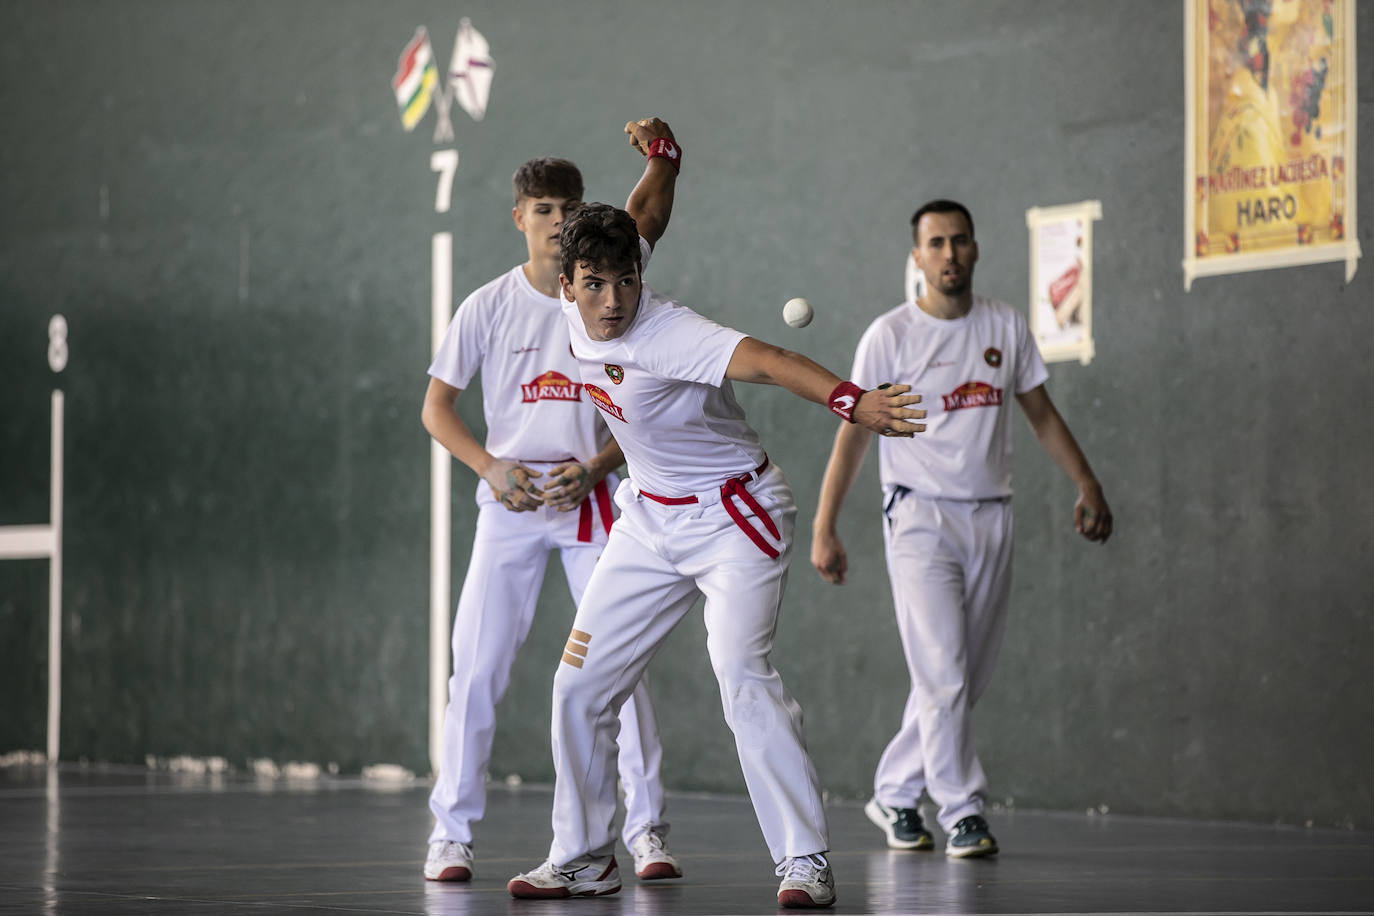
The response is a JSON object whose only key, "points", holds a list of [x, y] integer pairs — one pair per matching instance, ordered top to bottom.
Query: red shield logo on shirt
{"points": [[993, 357], [616, 373], [551, 386], [973, 394], [603, 400]]}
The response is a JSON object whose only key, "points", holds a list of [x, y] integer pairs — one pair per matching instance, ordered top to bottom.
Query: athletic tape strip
{"points": [[576, 647]]}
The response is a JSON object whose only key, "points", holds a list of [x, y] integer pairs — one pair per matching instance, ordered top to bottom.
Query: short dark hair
{"points": [[547, 177], [939, 206], [603, 236]]}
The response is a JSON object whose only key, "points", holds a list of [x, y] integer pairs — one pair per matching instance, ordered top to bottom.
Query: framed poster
{"points": [[1270, 145], [1061, 280]]}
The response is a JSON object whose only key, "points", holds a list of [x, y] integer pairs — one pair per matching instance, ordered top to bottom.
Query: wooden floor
{"points": [[84, 841]]}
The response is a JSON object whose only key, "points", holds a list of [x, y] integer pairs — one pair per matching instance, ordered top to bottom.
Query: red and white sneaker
{"points": [[448, 861], [653, 861], [588, 877], [806, 882]]}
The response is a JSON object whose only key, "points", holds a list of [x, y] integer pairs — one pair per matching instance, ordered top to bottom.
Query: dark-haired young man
{"points": [[540, 426], [703, 512], [948, 520]]}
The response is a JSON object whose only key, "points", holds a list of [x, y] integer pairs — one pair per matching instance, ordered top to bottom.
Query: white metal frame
{"points": [[1036, 217], [39, 542]]}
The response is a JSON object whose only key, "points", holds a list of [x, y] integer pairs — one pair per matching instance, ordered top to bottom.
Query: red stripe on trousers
{"points": [[729, 490], [603, 505]]}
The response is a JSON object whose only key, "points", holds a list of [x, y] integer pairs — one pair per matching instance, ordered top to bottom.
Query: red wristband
{"points": [[666, 149], [844, 399]]}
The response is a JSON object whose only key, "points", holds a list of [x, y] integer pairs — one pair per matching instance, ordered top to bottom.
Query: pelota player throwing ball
{"points": [[541, 429], [703, 511]]}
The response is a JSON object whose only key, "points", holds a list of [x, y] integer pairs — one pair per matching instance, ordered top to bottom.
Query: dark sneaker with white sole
{"points": [[903, 826], [971, 838]]}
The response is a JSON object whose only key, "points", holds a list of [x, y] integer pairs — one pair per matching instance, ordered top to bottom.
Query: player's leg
{"points": [[925, 557], [744, 590], [989, 590], [632, 602], [495, 609], [640, 752], [899, 779], [645, 831]]}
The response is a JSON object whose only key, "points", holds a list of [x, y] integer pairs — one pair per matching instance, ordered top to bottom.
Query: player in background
{"points": [[541, 428], [703, 512], [948, 519]]}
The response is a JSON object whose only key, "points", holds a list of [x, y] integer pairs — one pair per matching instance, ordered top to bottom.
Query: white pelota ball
{"points": [[798, 312]]}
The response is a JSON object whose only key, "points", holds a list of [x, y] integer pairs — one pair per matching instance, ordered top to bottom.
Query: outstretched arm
{"points": [[651, 201], [883, 410], [509, 481], [1091, 516], [827, 551]]}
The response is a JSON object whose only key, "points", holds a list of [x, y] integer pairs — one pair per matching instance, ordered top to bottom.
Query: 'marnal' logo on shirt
{"points": [[551, 386], [973, 394], [603, 400]]}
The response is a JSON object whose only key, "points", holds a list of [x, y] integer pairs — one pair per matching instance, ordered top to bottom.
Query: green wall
{"points": [[220, 199]]}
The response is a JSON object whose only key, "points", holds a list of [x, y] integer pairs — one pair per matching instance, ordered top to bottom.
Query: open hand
{"points": [[884, 410]]}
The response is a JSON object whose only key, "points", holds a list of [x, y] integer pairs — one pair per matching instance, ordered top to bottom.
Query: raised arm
{"points": [[651, 201], [883, 410], [1092, 518]]}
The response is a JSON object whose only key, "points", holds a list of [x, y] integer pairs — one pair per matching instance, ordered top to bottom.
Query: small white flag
{"points": [[470, 71]]}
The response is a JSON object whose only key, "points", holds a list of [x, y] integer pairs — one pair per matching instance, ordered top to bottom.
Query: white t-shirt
{"points": [[967, 371], [662, 388], [533, 401]]}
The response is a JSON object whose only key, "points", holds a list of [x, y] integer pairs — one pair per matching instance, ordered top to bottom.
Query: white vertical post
{"points": [[440, 479], [55, 586]]}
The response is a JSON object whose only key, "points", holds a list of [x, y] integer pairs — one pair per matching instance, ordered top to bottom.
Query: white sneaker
{"points": [[652, 858], [448, 861], [587, 877], [806, 882]]}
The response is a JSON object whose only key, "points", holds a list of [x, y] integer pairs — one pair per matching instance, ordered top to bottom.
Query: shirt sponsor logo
{"points": [[993, 357], [616, 373], [551, 386], [973, 394], [603, 400]]}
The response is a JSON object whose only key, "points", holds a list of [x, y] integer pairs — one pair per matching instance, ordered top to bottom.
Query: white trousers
{"points": [[509, 553], [658, 559], [950, 566]]}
